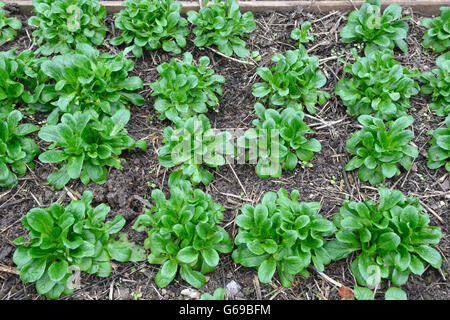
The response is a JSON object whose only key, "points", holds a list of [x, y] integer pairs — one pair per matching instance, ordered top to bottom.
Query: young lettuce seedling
{"points": [[221, 23], [63, 24], [151, 24], [8, 26], [377, 31], [437, 35], [22, 79], [85, 79], [293, 81], [437, 83], [379, 86], [186, 88], [278, 141], [192, 144], [85, 146], [16, 150], [377, 150], [439, 152], [183, 234], [281, 234], [391, 238], [62, 241]]}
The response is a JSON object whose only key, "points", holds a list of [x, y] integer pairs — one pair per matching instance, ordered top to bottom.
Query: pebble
{"points": [[233, 290], [190, 293]]}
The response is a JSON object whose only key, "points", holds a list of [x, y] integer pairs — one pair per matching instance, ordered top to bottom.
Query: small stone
{"points": [[233, 290], [190, 293], [122, 294]]}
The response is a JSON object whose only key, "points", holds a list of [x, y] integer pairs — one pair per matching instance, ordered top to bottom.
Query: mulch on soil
{"points": [[142, 172]]}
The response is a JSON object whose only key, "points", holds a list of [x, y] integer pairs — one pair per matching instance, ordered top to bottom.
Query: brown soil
{"points": [[236, 111]]}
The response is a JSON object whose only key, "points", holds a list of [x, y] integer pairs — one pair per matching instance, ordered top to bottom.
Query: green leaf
{"points": [[40, 220], [187, 255], [430, 255], [58, 270], [266, 270], [166, 274], [194, 278], [395, 294]]}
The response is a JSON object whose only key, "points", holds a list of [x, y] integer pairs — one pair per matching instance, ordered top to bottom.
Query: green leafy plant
{"points": [[221, 23], [62, 24], [151, 24], [8, 26], [378, 31], [302, 34], [437, 35], [21, 80], [87, 80], [293, 81], [437, 83], [379, 86], [186, 88], [278, 141], [192, 144], [85, 146], [379, 147], [16, 150], [439, 152], [183, 234], [282, 234], [392, 238], [65, 240], [393, 293], [219, 294]]}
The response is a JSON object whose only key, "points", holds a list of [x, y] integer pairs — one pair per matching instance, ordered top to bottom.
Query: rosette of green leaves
{"points": [[221, 23], [62, 24], [151, 24], [8, 26], [378, 31], [302, 34], [437, 35], [86, 79], [21, 80], [293, 81], [437, 83], [379, 86], [186, 88], [278, 141], [192, 144], [85, 146], [379, 147], [16, 150], [439, 152], [184, 234], [282, 234], [392, 238], [65, 240]]}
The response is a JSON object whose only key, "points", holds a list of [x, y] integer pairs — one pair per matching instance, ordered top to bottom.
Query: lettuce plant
{"points": [[221, 23], [62, 24], [151, 24], [8, 26], [378, 31], [302, 34], [437, 35], [21, 79], [86, 79], [293, 81], [437, 83], [379, 86], [186, 88], [278, 141], [192, 144], [85, 146], [379, 147], [16, 150], [439, 152], [184, 234], [282, 234], [391, 238], [64, 240], [393, 293]]}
